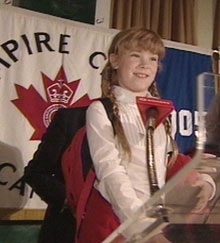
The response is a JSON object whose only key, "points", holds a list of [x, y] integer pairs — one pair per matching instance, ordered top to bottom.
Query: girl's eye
{"points": [[135, 55], [154, 59]]}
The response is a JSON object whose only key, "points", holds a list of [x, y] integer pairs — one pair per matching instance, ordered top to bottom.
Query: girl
{"points": [[119, 155]]}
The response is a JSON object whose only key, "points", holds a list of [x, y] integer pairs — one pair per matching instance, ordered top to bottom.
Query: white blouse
{"points": [[123, 182]]}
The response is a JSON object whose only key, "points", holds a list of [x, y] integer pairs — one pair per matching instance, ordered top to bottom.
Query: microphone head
{"points": [[154, 107], [153, 112], [152, 116]]}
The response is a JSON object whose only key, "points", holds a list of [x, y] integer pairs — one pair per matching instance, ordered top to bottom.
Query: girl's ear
{"points": [[114, 60]]}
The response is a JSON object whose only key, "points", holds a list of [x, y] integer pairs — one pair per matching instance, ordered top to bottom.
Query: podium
{"points": [[172, 208]]}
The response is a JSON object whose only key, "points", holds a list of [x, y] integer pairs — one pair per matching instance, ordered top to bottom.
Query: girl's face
{"points": [[136, 70]]}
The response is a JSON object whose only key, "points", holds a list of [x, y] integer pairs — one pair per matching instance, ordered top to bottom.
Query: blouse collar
{"points": [[125, 95]]}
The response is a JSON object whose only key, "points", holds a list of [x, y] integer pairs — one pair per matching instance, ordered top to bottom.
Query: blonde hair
{"points": [[130, 39]]}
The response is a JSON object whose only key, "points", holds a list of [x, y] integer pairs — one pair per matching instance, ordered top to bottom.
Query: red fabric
{"points": [[180, 162], [72, 169], [79, 192], [83, 199], [100, 220]]}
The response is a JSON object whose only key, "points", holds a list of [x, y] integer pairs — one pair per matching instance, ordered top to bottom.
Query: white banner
{"points": [[37, 54]]}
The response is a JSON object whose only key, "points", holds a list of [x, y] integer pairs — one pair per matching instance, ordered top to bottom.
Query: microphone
{"points": [[154, 111], [152, 117]]}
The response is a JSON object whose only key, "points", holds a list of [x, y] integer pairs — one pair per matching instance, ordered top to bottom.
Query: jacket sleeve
{"points": [[43, 172]]}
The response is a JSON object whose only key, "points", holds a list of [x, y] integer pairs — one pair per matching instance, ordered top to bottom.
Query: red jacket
{"points": [[96, 220]]}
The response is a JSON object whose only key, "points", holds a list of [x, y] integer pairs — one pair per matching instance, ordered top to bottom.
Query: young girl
{"points": [[119, 155]]}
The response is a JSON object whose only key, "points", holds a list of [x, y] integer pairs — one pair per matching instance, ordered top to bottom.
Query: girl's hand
{"points": [[195, 179], [206, 190]]}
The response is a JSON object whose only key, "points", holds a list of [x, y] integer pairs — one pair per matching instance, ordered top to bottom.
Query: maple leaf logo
{"points": [[38, 111]]}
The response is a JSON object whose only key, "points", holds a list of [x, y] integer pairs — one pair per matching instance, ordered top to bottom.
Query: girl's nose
{"points": [[144, 62]]}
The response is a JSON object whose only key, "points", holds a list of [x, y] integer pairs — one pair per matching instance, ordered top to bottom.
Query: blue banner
{"points": [[178, 82]]}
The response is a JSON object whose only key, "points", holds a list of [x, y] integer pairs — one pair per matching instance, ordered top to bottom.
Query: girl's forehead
{"points": [[134, 44], [139, 46], [139, 50]]}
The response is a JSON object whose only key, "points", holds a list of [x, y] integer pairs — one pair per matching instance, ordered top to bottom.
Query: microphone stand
{"points": [[152, 115], [151, 163], [159, 210]]}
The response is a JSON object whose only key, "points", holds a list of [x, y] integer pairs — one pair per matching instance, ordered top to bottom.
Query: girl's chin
{"points": [[140, 93]]}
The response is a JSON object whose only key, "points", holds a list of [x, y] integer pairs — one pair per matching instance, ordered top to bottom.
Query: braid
{"points": [[153, 90], [107, 91], [167, 125], [119, 128]]}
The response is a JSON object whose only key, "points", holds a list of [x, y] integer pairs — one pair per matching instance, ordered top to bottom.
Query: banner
{"points": [[47, 63], [178, 82]]}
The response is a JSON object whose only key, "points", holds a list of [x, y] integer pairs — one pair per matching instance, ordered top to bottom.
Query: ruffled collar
{"points": [[126, 96]]}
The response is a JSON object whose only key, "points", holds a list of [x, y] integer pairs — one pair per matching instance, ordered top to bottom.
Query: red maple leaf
{"points": [[37, 110]]}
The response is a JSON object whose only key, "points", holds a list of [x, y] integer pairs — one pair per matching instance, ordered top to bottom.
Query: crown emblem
{"points": [[59, 92]]}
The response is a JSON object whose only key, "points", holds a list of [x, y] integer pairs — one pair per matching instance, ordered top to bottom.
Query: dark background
{"points": [[78, 10]]}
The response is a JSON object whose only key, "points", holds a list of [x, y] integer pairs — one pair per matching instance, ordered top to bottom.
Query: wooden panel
{"points": [[23, 214]]}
